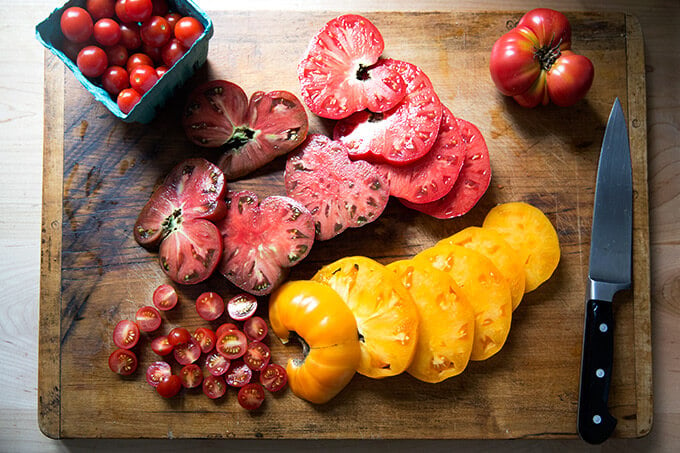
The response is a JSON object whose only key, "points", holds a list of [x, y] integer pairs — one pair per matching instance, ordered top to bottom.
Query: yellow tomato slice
{"points": [[528, 231], [491, 244], [484, 287], [384, 310], [447, 320], [328, 329]]}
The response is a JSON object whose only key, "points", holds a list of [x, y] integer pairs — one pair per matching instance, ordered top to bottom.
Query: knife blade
{"points": [[609, 272]]}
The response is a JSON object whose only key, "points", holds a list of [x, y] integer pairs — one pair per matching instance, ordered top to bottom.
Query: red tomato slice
{"points": [[338, 73], [402, 134], [432, 176], [472, 182], [165, 297], [209, 306], [241, 307], [148, 319], [255, 328], [126, 334], [205, 338], [232, 344], [161, 345], [188, 352], [257, 355], [123, 362], [216, 364], [156, 372], [239, 374], [191, 376], [274, 377], [214, 386], [251, 396]]}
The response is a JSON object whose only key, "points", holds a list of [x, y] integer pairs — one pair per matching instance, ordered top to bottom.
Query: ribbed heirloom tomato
{"points": [[534, 63]]}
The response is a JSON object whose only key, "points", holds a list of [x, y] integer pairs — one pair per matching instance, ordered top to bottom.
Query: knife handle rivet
{"points": [[603, 327], [599, 373], [597, 419]]}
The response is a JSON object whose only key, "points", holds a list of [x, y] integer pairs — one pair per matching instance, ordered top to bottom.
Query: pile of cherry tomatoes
{"points": [[127, 45], [235, 354]]}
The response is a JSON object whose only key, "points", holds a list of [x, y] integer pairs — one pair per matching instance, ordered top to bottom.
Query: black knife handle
{"points": [[595, 423]]}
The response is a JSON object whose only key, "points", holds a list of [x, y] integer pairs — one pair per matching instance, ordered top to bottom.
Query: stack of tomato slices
{"points": [[389, 114]]}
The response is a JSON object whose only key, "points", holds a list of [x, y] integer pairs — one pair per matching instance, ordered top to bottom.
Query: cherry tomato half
{"points": [[76, 24], [92, 61], [165, 297], [209, 306], [242, 306], [148, 319], [255, 328], [126, 334], [205, 338], [232, 344], [186, 353], [257, 355], [123, 362], [216, 364], [156, 372], [239, 374], [191, 376], [273, 377], [169, 386], [214, 386], [251, 396]]}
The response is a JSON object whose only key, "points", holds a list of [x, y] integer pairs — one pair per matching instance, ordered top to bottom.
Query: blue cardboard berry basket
{"points": [[49, 34]]}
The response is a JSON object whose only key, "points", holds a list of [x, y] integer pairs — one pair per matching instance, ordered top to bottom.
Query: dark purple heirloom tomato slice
{"points": [[340, 74], [218, 114], [402, 134], [433, 175], [472, 182], [339, 193], [178, 219], [263, 239]]}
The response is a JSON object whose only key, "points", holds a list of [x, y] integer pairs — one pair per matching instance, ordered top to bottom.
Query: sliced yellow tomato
{"points": [[527, 229], [491, 244], [484, 287], [384, 310], [317, 314], [447, 320]]}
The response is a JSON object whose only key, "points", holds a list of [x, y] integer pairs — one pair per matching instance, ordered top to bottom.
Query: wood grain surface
{"points": [[94, 274]]}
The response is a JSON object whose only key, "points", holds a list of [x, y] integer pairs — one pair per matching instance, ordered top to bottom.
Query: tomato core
{"points": [[548, 55]]}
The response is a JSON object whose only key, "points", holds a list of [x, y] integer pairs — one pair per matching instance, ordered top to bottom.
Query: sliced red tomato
{"points": [[341, 73], [218, 114], [402, 134], [432, 176], [472, 182], [339, 193], [178, 218], [263, 239], [165, 297], [209, 305], [241, 307], [148, 319], [255, 328], [126, 334], [205, 338], [232, 344], [161, 345], [188, 352], [257, 355], [123, 362], [216, 364], [156, 372], [239, 374], [191, 376], [273, 377], [214, 386], [251, 396]]}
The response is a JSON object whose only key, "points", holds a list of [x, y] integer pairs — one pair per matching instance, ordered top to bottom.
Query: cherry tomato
{"points": [[119, 8], [160, 8], [99, 9], [138, 10], [172, 19], [76, 24], [188, 30], [156, 31], [107, 32], [129, 36], [71, 49], [152, 52], [172, 52], [117, 55], [138, 59], [92, 61], [161, 70], [143, 78], [115, 79], [127, 99], [165, 297], [209, 306], [242, 306], [148, 318], [225, 327], [255, 328], [126, 334], [178, 335], [205, 338], [232, 344], [161, 345], [186, 353], [257, 356], [123, 362], [216, 364], [156, 372], [239, 374], [191, 376], [273, 377], [169, 386], [214, 386], [251, 396]]}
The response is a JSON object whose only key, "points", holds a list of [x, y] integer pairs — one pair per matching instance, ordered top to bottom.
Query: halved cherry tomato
{"points": [[165, 297], [209, 306], [241, 306], [148, 319], [255, 328], [126, 334], [178, 335], [205, 338], [232, 344], [161, 346], [188, 352], [257, 355], [123, 362], [216, 364], [156, 372], [239, 374], [191, 376], [273, 377], [169, 386], [214, 386], [251, 396]]}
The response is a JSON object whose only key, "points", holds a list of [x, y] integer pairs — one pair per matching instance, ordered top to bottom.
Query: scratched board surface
{"points": [[99, 172]]}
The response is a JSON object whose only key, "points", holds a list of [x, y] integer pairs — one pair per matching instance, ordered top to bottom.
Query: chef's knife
{"points": [[609, 272]]}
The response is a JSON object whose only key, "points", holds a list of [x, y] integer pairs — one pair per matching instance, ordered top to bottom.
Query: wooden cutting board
{"points": [[99, 172]]}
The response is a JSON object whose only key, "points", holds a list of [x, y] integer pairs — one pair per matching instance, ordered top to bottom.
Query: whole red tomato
{"points": [[533, 62]]}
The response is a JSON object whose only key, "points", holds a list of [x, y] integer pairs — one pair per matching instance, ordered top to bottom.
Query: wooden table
{"points": [[21, 120]]}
